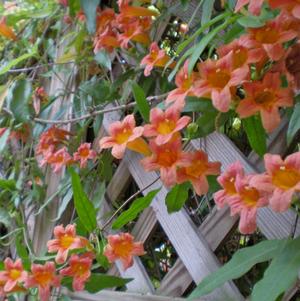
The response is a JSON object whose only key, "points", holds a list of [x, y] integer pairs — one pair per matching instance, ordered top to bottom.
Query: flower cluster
{"points": [[132, 24], [238, 63], [51, 148], [164, 152], [246, 193], [14, 278]]}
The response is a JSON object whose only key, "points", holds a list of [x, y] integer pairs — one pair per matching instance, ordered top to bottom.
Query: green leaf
{"points": [[74, 6], [207, 9], [90, 10], [250, 21], [102, 58], [18, 60], [18, 99], [142, 103], [196, 104], [206, 124], [294, 124], [256, 134], [8, 185], [214, 185], [177, 196], [136, 207], [84, 208], [5, 218], [22, 252], [242, 261], [281, 274], [98, 282]]}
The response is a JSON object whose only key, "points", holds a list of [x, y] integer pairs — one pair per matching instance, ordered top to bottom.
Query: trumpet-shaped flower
{"points": [[254, 6], [292, 6], [134, 11], [6, 31], [133, 32], [272, 36], [107, 40], [244, 51], [156, 58], [218, 77], [185, 86], [265, 97], [165, 124], [125, 135], [51, 137], [84, 153], [166, 158], [58, 159], [197, 171], [281, 180], [227, 181], [246, 202], [65, 239], [122, 247], [80, 269], [13, 275], [43, 277]]}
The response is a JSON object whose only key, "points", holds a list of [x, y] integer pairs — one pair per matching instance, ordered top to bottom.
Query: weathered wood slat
{"points": [[117, 296]]}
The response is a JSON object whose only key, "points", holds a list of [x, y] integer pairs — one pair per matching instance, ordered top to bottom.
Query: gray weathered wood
{"points": [[117, 296]]}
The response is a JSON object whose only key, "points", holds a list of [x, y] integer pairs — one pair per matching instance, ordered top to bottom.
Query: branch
{"points": [[96, 113], [126, 202]]}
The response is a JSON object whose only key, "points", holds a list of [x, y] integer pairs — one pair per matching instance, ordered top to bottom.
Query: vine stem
{"points": [[95, 113], [127, 202]]}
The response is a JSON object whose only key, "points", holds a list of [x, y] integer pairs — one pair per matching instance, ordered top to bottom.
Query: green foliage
{"points": [[207, 8], [90, 10], [102, 58], [18, 99], [142, 103], [294, 124], [256, 134], [177, 197], [83, 206], [135, 209], [242, 261], [281, 274], [98, 282]]}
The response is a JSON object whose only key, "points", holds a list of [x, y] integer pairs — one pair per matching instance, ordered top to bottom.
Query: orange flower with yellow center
{"points": [[134, 11], [271, 37], [244, 51], [156, 58], [219, 80], [185, 86], [265, 97], [164, 125], [125, 135], [84, 153], [166, 158], [197, 171], [281, 180], [227, 182], [245, 202], [65, 240], [122, 247], [80, 269], [13, 274], [43, 277]]}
